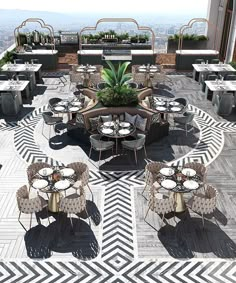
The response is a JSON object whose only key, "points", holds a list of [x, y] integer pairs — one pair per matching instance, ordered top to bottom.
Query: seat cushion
{"points": [[130, 118], [94, 123], [140, 123]]}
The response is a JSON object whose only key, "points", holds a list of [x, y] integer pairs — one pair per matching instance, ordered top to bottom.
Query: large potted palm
{"points": [[117, 92]]}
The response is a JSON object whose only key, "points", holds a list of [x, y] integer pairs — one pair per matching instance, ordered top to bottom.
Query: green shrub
{"points": [[187, 36], [233, 64]]}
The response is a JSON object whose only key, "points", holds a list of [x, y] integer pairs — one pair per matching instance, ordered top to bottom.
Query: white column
{"points": [[232, 35]]}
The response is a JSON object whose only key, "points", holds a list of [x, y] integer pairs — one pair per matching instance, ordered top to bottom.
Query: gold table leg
{"points": [[53, 202], [180, 203]]}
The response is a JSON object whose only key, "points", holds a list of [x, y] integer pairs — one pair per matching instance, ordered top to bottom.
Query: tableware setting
{"points": [[160, 103], [174, 103], [59, 108], [161, 108], [74, 109], [175, 109], [109, 124], [124, 124], [107, 131], [124, 132], [167, 171], [45, 172], [67, 172], [189, 172], [40, 184], [168, 184], [191, 184], [62, 185]]}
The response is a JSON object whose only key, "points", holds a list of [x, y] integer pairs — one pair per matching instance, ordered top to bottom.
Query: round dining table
{"points": [[67, 107], [166, 107], [116, 130], [53, 181], [179, 181]]}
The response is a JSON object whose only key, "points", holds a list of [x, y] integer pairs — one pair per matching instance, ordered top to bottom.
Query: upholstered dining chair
{"points": [[18, 61], [199, 61], [215, 61], [3, 77], [53, 101], [183, 101], [49, 120], [185, 120], [99, 145], [136, 145], [33, 169], [152, 169], [82, 175], [74, 204], [203, 204], [161, 205], [29, 206]]}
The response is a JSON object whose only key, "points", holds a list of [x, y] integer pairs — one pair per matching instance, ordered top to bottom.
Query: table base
{"points": [[53, 202], [180, 203]]}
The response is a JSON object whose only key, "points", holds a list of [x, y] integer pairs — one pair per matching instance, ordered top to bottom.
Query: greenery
{"points": [[187, 36], [8, 57], [233, 64], [117, 92]]}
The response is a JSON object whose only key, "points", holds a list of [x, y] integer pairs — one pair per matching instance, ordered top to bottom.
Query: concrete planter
{"points": [[187, 44]]}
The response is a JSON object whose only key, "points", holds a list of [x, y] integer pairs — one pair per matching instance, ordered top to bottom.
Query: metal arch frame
{"points": [[118, 20], [42, 24], [189, 25]]}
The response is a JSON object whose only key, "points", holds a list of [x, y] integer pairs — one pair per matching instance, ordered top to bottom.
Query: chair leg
{"points": [[144, 148], [90, 151], [100, 153], [135, 156], [144, 189], [90, 191], [146, 213], [31, 215], [88, 216], [162, 220], [202, 220], [21, 222], [71, 222]]}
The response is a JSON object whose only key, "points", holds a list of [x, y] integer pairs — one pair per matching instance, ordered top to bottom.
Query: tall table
{"points": [[24, 68], [203, 69], [11, 96]]}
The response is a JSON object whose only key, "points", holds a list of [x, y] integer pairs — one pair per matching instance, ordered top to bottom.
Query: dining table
{"points": [[24, 68], [87, 70], [148, 70], [200, 70], [11, 96], [167, 106], [68, 107], [116, 130], [179, 180], [54, 181]]}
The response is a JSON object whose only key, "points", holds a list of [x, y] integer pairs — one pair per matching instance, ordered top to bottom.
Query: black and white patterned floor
{"points": [[119, 260]]}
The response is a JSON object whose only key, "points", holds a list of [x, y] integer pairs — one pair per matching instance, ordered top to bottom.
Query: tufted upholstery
{"points": [[199, 168], [33, 169], [82, 172], [74, 203], [204, 204], [162, 205]]}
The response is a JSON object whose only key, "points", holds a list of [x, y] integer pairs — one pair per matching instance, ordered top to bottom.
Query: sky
{"points": [[100, 6]]}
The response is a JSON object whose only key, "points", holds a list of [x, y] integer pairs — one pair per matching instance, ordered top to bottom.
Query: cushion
{"points": [[145, 102], [107, 118], [130, 118], [94, 123], [141, 123]]}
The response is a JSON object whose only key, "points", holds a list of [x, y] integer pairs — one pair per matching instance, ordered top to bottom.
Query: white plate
{"points": [[142, 69], [81, 70], [76, 103], [160, 103], [174, 103], [59, 108], [161, 108], [74, 109], [175, 109], [108, 124], [124, 124], [107, 131], [124, 132], [167, 171], [45, 172], [67, 172], [189, 172], [40, 184], [168, 184], [191, 184], [62, 185]]}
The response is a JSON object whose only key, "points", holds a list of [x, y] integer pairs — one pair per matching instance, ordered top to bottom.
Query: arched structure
{"points": [[118, 20], [41, 23]]}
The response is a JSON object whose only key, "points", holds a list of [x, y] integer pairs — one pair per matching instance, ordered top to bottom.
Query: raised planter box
{"points": [[187, 44]]}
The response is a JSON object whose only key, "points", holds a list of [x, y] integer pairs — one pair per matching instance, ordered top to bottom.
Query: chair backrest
{"points": [[18, 61], [35, 61], [199, 61], [215, 61], [3, 77], [22, 77], [211, 77], [230, 77], [139, 78], [53, 101], [182, 101], [224, 104], [47, 117], [189, 117], [137, 143], [98, 144], [199, 168], [33, 169], [152, 169], [82, 172], [73, 203], [25, 204], [205, 204], [162, 206]]}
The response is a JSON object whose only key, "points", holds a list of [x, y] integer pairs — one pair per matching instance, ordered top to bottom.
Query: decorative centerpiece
{"points": [[117, 92]]}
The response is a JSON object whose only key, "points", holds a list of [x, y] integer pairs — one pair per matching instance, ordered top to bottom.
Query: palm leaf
{"points": [[112, 69], [121, 70], [125, 78]]}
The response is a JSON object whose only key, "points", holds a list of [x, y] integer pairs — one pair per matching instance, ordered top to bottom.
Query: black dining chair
{"points": [[18, 61], [199, 61], [215, 61], [3, 77], [230, 77], [53, 101], [183, 101], [49, 120]]}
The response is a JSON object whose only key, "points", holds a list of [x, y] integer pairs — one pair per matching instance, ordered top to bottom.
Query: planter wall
{"points": [[187, 44]]}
